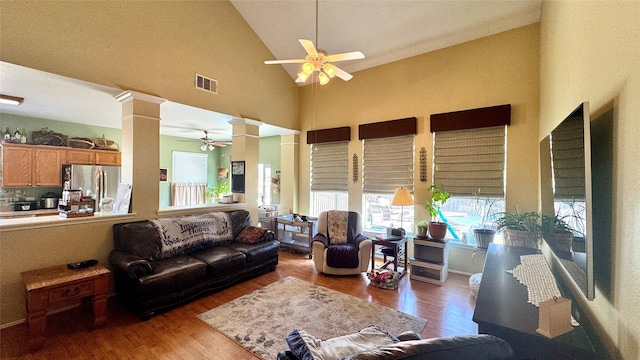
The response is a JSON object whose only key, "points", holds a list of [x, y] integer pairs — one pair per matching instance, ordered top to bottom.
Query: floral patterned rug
{"points": [[259, 321]]}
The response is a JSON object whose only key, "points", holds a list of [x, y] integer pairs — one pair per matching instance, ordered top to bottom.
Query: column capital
{"points": [[131, 95], [239, 121]]}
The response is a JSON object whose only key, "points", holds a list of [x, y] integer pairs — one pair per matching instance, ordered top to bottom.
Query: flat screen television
{"points": [[566, 193]]}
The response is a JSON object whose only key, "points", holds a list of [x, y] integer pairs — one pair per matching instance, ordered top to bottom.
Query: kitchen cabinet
{"points": [[92, 157], [108, 157], [25, 165], [40, 165]]}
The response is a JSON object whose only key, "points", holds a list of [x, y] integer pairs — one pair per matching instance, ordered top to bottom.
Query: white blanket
{"points": [[179, 235]]}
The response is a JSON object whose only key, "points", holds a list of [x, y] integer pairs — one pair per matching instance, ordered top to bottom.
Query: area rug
{"points": [[259, 321]]}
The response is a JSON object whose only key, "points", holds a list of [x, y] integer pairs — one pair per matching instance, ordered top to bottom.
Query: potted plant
{"points": [[215, 192], [437, 227], [420, 228], [522, 229], [556, 232], [485, 234]]}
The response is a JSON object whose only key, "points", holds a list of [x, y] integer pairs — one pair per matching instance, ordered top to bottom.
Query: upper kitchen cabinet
{"points": [[92, 157], [25, 165], [39, 165]]}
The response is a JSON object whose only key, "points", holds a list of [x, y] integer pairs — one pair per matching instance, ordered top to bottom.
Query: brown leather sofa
{"points": [[147, 282]]}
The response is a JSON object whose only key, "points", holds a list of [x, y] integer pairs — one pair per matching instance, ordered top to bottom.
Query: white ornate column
{"points": [[141, 150]]}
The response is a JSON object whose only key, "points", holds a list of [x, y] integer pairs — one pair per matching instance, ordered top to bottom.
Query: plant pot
{"points": [[437, 230], [421, 231], [484, 237], [521, 238], [561, 240]]}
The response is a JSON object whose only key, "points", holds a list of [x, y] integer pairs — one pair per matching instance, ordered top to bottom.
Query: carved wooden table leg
{"points": [[37, 302]]}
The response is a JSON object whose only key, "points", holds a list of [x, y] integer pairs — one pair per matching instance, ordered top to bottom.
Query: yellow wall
{"points": [[150, 47], [153, 47], [590, 51], [495, 70]]}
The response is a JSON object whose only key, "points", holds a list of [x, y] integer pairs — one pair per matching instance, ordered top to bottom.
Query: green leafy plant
{"points": [[221, 188], [438, 198], [484, 207], [522, 221], [553, 224]]}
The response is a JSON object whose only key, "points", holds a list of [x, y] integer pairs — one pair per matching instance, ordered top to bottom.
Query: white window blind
{"points": [[567, 153], [468, 160], [387, 164], [329, 166], [189, 167]]}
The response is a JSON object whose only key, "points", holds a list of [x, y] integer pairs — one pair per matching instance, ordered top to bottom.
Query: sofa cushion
{"points": [[187, 234], [253, 234], [139, 237], [257, 252], [221, 259], [178, 272], [308, 347]]}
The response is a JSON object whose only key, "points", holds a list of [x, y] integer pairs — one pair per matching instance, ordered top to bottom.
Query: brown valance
{"points": [[472, 119], [390, 128], [329, 135]]}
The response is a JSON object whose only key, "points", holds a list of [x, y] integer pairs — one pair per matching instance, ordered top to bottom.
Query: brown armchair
{"points": [[339, 248]]}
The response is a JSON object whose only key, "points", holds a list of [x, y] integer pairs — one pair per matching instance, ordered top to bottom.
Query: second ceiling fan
{"points": [[318, 60]]}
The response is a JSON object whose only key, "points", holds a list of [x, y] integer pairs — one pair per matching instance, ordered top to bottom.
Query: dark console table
{"points": [[502, 310]]}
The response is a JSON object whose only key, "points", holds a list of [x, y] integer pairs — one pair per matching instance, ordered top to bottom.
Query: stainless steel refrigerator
{"points": [[95, 181]]}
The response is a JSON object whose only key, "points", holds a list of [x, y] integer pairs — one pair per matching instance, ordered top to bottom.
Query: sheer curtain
{"points": [[188, 193]]}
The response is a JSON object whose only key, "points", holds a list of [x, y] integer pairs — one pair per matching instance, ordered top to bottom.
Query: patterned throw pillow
{"points": [[252, 235]]}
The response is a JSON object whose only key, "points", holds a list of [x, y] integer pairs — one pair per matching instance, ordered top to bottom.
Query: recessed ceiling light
{"points": [[10, 100]]}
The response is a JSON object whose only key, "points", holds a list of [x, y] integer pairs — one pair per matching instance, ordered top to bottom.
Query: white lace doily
{"points": [[534, 273]]}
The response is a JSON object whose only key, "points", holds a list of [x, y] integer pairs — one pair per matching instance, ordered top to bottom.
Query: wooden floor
{"points": [[178, 334]]}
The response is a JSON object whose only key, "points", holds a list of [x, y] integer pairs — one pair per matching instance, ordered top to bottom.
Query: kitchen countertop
{"points": [[28, 213], [22, 223]]}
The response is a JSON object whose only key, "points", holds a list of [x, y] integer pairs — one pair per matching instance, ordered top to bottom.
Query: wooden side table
{"points": [[396, 245], [58, 284]]}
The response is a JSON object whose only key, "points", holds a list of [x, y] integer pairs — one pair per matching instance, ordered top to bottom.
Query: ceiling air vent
{"points": [[206, 84]]}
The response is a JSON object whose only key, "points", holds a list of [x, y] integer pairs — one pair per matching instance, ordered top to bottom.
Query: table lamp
{"points": [[402, 197]]}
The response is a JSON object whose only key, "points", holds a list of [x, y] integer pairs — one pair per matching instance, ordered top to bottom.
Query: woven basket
{"points": [[81, 143], [105, 144]]}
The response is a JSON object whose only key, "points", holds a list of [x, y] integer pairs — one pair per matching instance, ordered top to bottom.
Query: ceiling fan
{"points": [[318, 60], [209, 143]]}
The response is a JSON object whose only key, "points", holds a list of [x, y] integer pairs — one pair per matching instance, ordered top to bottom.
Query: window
{"points": [[387, 164], [470, 164], [189, 167], [329, 176], [189, 180], [264, 184]]}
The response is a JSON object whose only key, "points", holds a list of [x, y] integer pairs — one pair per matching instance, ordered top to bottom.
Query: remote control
{"points": [[82, 264]]}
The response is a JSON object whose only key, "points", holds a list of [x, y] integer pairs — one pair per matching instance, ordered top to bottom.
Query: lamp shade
{"points": [[402, 197]]}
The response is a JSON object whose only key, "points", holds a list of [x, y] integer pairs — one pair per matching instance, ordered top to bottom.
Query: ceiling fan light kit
{"points": [[317, 60]]}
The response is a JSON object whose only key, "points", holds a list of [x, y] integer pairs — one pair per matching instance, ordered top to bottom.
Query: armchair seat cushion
{"points": [[342, 256]]}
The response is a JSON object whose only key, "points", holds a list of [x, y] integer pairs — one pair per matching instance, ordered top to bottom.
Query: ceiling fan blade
{"points": [[308, 47], [354, 55], [289, 61], [343, 74], [221, 143]]}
